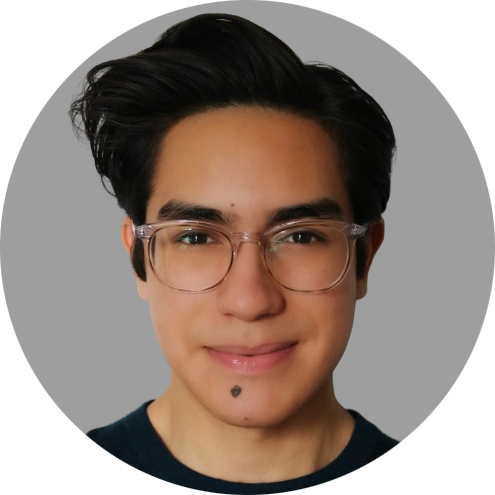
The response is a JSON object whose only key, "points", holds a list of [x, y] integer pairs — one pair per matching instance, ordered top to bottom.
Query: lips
{"points": [[252, 351], [248, 359]]}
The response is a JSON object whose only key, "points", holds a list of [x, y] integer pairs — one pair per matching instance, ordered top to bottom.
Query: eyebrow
{"points": [[323, 208], [178, 210]]}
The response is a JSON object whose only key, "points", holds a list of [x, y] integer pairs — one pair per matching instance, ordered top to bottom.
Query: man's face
{"points": [[247, 163]]}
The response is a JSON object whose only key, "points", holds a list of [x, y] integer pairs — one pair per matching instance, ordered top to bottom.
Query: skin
{"points": [[286, 422]]}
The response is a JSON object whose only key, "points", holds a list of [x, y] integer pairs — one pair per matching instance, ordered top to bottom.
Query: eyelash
{"points": [[314, 237], [183, 238]]}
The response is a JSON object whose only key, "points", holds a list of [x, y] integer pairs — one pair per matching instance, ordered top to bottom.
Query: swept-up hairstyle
{"points": [[215, 61]]}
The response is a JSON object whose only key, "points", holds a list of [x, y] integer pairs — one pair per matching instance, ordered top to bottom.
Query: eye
{"points": [[302, 237], [194, 238], [295, 239]]}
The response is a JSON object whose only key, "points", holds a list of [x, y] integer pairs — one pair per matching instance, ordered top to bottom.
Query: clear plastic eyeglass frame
{"points": [[352, 231]]}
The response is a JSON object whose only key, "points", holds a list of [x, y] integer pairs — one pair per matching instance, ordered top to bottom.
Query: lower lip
{"points": [[252, 364]]}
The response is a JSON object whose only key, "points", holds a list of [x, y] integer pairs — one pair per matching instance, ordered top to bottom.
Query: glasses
{"points": [[302, 256]]}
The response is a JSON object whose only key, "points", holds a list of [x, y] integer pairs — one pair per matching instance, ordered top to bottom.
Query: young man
{"points": [[253, 186]]}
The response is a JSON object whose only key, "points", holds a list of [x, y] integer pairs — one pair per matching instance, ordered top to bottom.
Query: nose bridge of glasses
{"points": [[240, 237]]}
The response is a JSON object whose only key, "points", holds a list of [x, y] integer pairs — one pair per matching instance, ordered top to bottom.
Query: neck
{"points": [[308, 440]]}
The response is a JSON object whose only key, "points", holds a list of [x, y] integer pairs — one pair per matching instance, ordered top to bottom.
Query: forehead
{"points": [[247, 162]]}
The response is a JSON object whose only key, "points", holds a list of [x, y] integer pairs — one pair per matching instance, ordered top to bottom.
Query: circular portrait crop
{"points": [[256, 258]]}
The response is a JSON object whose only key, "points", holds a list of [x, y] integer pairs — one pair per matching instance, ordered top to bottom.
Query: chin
{"points": [[261, 411], [253, 419]]}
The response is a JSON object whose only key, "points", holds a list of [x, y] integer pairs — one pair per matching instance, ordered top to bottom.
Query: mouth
{"points": [[246, 359]]}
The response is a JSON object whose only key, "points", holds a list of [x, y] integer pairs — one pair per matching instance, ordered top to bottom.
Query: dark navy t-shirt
{"points": [[134, 440]]}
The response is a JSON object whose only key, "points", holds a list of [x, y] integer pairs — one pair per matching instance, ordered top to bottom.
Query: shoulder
{"points": [[119, 438], [369, 439], [366, 444]]}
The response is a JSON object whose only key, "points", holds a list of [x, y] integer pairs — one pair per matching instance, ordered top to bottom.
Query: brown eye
{"points": [[302, 237], [194, 238]]}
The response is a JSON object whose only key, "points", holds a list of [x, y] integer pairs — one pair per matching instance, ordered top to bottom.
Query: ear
{"points": [[128, 238], [374, 239]]}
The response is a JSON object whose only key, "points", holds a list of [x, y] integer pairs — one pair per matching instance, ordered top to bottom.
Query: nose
{"points": [[249, 292]]}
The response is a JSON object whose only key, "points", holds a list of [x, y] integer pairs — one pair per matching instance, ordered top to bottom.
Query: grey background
{"points": [[71, 293]]}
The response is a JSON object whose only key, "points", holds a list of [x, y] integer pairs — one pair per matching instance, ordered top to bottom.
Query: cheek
{"points": [[329, 316], [168, 318], [175, 318]]}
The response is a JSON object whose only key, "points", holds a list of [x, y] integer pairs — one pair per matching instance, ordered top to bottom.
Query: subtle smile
{"points": [[252, 359]]}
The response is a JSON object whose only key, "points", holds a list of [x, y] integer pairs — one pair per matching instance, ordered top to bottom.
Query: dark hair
{"points": [[215, 61]]}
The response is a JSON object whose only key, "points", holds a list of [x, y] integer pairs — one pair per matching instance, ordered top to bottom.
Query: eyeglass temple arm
{"points": [[354, 230], [143, 231]]}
